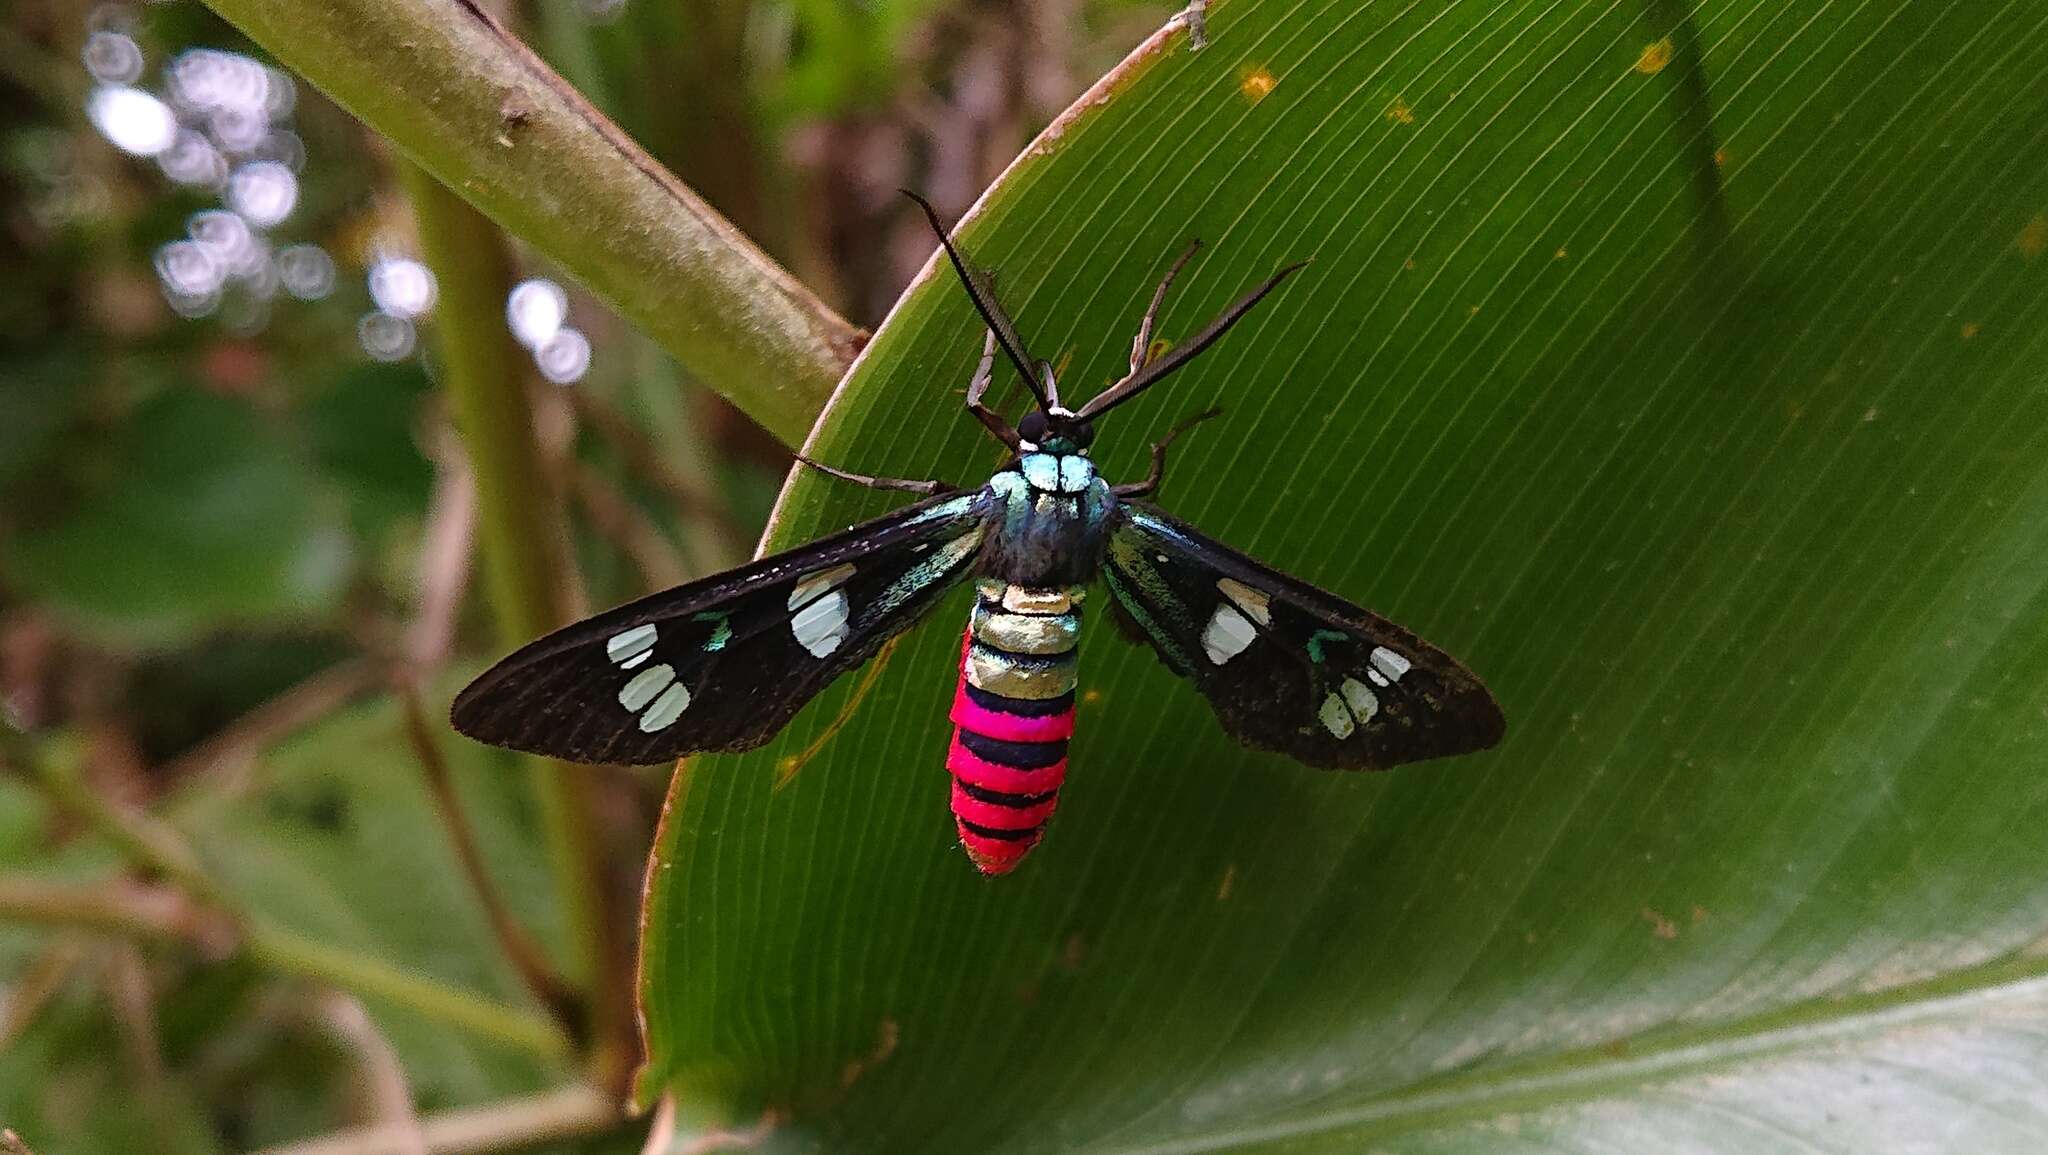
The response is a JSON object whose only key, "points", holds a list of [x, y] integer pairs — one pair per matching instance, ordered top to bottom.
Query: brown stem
{"points": [[645, 459], [628, 528], [450, 531], [225, 758], [119, 907], [525, 954], [36, 985], [390, 1097], [553, 1116]]}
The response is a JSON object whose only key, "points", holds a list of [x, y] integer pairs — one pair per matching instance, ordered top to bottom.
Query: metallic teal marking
{"points": [[1095, 503], [943, 510], [1134, 561], [940, 565], [720, 634], [1316, 640]]}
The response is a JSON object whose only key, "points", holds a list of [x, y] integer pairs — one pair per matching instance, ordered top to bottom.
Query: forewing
{"points": [[723, 663], [1287, 666]]}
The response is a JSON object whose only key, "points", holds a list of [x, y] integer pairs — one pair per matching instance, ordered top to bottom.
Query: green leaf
{"points": [[1686, 379], [192, 512], [343, 845]]}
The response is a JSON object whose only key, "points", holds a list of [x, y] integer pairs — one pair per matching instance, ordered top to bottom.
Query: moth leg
{"points": [[1198, 31], [1141, 345], [984, 375], [1146, 487], [928, 488]]}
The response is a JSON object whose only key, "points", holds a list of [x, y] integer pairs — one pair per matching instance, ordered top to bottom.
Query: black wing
{"points": [[724, 663], [1286, 666]]}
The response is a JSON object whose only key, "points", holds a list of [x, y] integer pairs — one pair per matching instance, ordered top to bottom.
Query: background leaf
{"points": [[1684, 375]]}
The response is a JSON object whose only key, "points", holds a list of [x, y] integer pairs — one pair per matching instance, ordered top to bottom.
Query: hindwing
{"points": [[724, 663], [1287, 666]]}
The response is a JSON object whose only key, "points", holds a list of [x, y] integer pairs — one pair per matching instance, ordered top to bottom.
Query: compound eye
{"points": [[1032, 428], [1083, 434]]}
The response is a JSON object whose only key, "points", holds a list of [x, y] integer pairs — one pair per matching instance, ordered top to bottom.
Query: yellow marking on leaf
{"points": [[1654, 57], [1255, 83], [1399, 112], [2034, 237], [1971, 329], [785, 771], [1228, 884], [1660, 926]]}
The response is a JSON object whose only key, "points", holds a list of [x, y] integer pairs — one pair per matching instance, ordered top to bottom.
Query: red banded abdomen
{"points": [[1012, 716]]}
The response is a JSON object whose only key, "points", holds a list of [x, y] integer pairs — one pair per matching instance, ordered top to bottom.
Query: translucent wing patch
{"points": [[724, 663], [1287, 666]]}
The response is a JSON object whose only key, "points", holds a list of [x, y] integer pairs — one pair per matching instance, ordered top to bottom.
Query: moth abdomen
{"points": [[1012, 716]]}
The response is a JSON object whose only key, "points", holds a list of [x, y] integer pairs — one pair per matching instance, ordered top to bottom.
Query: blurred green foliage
{"points": [[213, 518]]}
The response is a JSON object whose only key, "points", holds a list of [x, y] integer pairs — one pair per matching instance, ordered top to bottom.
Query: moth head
{"points": [[1055, 430]]}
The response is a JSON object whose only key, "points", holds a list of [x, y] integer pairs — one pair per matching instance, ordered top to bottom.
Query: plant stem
{"points": [[475, 108], [525, 554], [149, 844], [130, 910], [520, 949], [289, 953], [560, 1115]]}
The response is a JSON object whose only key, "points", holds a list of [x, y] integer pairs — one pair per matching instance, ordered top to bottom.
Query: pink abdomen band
{"points": [[1012, 715]]}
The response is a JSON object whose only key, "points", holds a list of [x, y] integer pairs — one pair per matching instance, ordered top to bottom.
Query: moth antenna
{"points": [[991, 311], [1150, 373]]}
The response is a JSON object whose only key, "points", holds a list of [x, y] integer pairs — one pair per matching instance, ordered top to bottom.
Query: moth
{"points": [[723, 663]]}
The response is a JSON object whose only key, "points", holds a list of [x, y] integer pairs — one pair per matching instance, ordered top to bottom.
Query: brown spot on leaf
{"points": [[1654, 57], [1255, 83], [1400, 113], [2033, 240], [1971, 329], [1228, 884], [1660, 926], [1073, 953], [886, 1038]]}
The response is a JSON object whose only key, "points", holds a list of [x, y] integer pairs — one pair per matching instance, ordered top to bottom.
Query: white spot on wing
{"points": [[1076, 472], [817, 583], [1255, 603], [821, 626], [1228, 634], [629, 647], [1388, 662], [645, 685], [1363, 702], [665, 709], [1336, 718]]}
